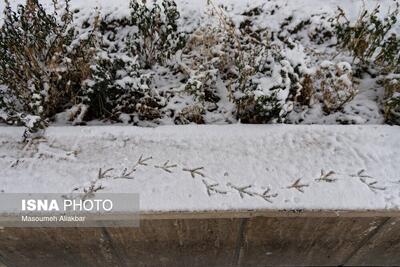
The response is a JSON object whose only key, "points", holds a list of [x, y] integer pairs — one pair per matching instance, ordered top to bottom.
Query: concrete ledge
{"points": [[240, 167], [353, 220], [246, 241]]}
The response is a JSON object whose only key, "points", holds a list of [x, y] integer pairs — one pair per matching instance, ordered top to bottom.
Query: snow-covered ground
{"points": [[196, 9], [197, 168]]}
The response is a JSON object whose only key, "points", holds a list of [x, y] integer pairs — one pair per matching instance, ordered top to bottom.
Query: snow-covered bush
{"points": [[320, 33], [157, 37], [369, 38], [389, 55], [205, 60], [42, 62], [140, 68], [256, 77], [335, 82], [121, 83], [202, 85], [330, 85], [116, 87], [264, 93], [306, 95], [392, 101], [191, 114]]}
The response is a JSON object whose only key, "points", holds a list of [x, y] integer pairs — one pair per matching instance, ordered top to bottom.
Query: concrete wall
{"points": [[215, 239]]}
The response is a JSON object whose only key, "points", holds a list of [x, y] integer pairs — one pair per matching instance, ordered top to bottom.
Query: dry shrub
{"points": [[157, 38], [369, 38], [209, 45], [43, 63], [258, 79], [336, 84], [306, 94], [392, 100], [148, 108], [261, 109], [190, 114]]}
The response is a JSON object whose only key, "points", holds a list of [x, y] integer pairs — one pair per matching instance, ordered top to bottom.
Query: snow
{"points": [[193, 12], [365, 108], [292, 165]]}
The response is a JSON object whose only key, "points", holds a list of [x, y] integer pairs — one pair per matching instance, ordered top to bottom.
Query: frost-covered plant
{"points": [[321, 32], [157, 37], [368, 38], [389, 55], [207, 60], [42, 62], [257, 78], [335, 83], [119, 85], [202, 85], [116, 87], [265, 90], [306, 95], [392, 101], [191, 114]]}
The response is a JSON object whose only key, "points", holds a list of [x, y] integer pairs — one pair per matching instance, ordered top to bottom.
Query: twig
{"points": [[166, 167], [194, 171], [325, 177], [296, 185], [211, 188], [241, 189]]}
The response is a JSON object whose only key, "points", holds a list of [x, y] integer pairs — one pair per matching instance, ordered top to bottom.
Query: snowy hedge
{"points": [[70, 67]]}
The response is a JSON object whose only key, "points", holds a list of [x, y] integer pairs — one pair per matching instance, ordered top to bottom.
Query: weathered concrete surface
{"points": [[269, 239], [304, 241], [191, 242], [56, 247], [381, 249]]}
